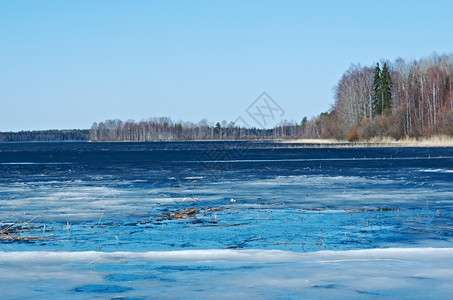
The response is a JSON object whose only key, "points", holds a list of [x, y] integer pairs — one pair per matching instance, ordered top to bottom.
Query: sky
{"points": [[67, 64]]}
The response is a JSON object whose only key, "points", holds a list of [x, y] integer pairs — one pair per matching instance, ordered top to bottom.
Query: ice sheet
{"points": [[98, 221], [413, 273]]}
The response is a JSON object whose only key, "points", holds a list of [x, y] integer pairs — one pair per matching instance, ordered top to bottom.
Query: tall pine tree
{"points": [[382, 83], [386, 86], [377, 101]]}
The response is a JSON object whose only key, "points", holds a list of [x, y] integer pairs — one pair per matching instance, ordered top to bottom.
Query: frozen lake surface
{"points": [[223, 220]]}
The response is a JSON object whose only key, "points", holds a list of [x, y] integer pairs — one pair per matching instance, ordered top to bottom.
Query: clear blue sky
{"points": [[66, 64]]}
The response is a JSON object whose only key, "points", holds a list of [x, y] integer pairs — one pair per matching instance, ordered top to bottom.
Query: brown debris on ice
{"points": [[186, 214]]}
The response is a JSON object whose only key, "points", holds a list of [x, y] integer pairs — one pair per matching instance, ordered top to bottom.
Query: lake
{"points": [[224, 219]]}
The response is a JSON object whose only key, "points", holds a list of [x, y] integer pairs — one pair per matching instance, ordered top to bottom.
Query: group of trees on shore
{"points": [[391, 99], [403, 99], [164, 129], [46, 135]]}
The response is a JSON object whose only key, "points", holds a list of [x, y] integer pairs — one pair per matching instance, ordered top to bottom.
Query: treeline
{"points": [[392, 99], [164, 129], [46, 135]]}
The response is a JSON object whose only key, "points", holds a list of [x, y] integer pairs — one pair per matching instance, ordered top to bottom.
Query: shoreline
{"points": [[434, 142]]}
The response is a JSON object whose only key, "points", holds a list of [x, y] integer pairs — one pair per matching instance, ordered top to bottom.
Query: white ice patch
{"points": [[436, 170], [406, 255], [412, 273]]}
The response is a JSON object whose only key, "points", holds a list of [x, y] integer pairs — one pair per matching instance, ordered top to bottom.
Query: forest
{"points": [[391, 99], [164, 129], [45, 135]]}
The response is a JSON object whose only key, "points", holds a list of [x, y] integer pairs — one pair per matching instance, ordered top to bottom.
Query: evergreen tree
{"points": [[382, 83], [386, 86], [377, 100], [304, 122], [217, 128]]}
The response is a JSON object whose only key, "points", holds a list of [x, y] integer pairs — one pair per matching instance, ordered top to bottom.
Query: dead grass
{"points": [[435, 141], [21, 231], [15, 232]]}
